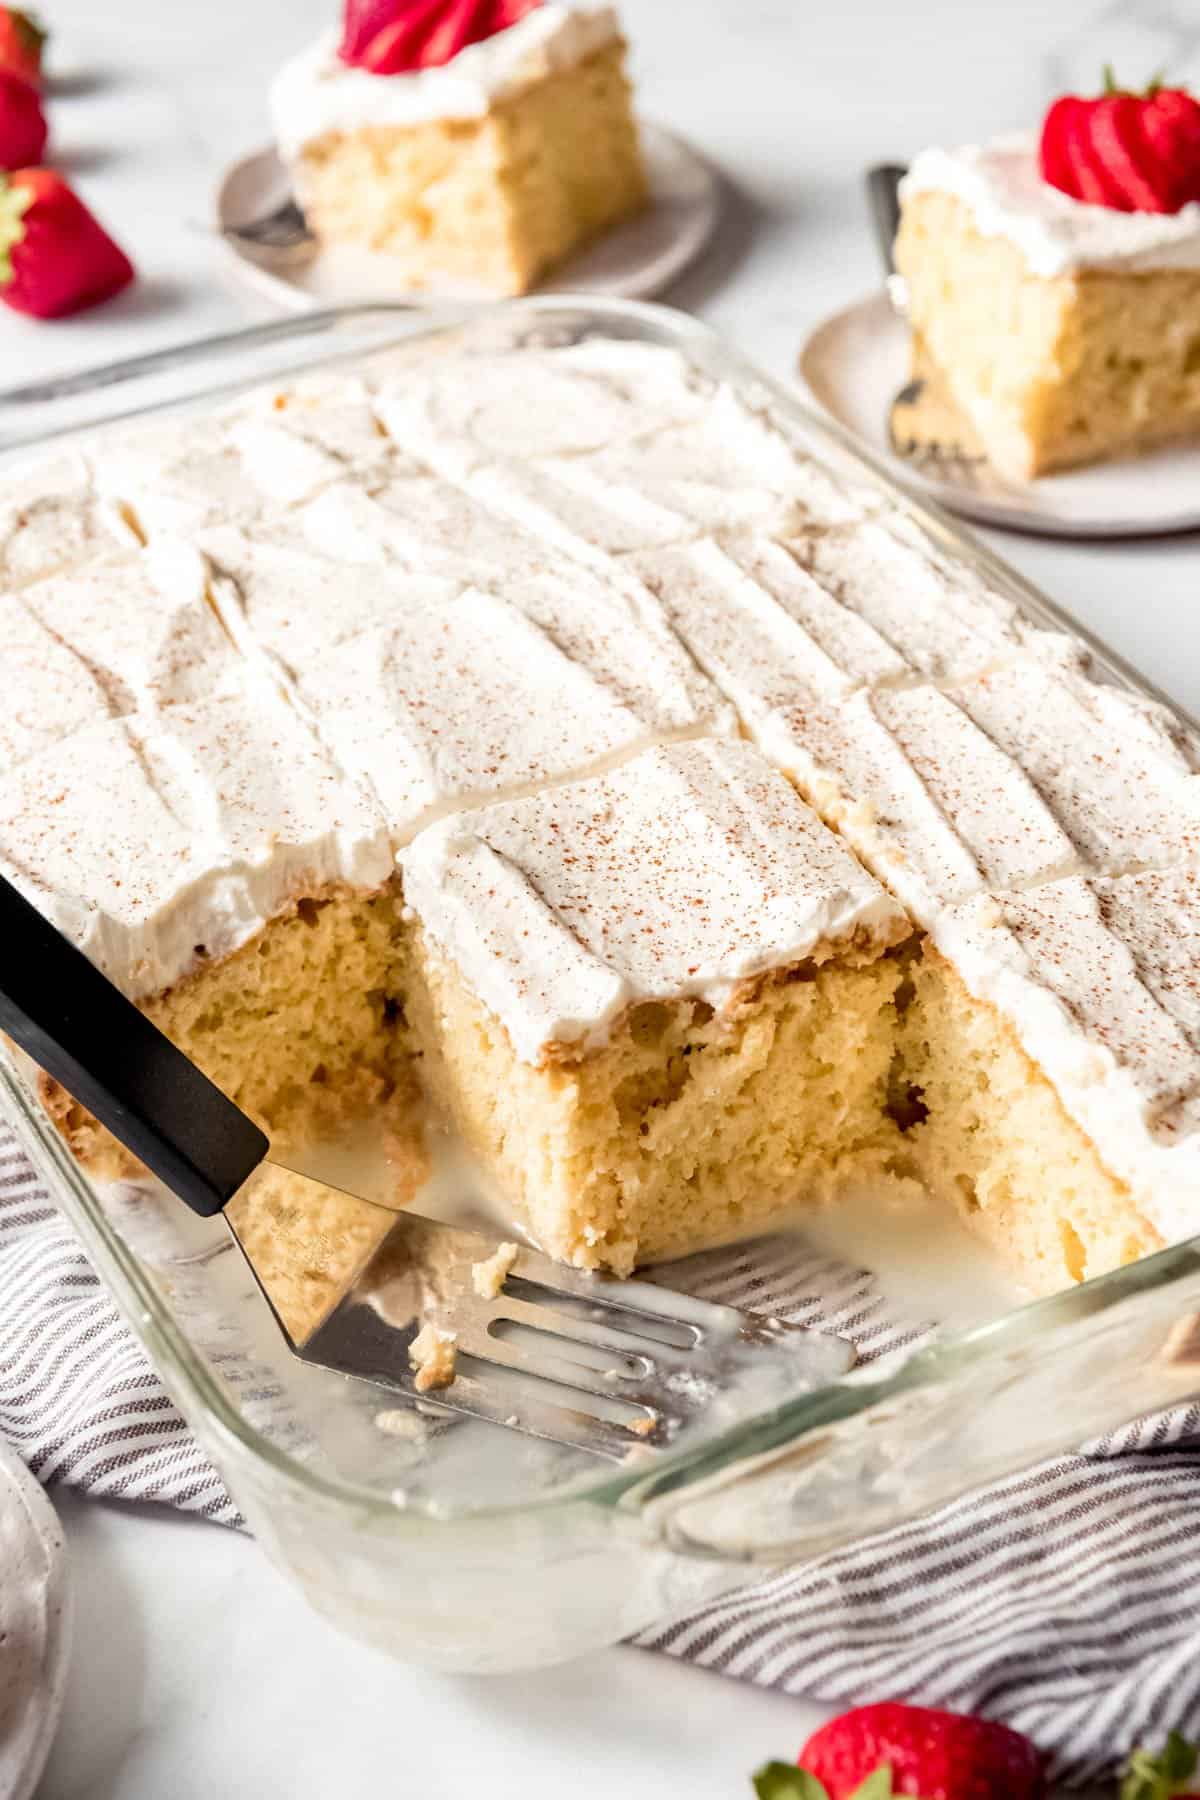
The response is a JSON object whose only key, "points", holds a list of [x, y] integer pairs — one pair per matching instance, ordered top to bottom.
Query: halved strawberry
{"points": [[393, 37], [22, 44], [22, 122], [1129, 152], [55, 257]]}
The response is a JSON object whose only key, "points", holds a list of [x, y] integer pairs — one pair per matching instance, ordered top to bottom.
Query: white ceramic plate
{"points": [[632, 262], [857, 361], [34, 1627]]}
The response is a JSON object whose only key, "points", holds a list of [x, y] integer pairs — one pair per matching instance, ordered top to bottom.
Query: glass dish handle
{"points": [[933, 1434]]}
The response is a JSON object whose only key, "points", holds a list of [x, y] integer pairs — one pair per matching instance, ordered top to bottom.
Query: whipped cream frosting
{"points": [[315, 93], [1001, 184], [467, 410], [292, 440], [278, 448], [728, 472], [52, 519], [426, 525], [438, 539], [279, 598], [942, 619], [765, 628], [142, 629], [49, 691], [443, 693], [499, 705], [1118, 770], [926, 798], [929, 803], [171, 836], [681, 873], [1101, 981]]}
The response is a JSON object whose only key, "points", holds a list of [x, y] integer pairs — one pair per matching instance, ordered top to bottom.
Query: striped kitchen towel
{"points": [[79, 1399], [1060, 1600]]}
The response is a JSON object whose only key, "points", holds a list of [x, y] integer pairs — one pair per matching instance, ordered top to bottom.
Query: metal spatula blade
{"points": [[415, 1305], [585, 1360]]}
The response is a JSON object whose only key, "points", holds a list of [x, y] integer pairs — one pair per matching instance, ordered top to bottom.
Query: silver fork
{"points": [[284, 228], [924, 425], [593, 1363]]}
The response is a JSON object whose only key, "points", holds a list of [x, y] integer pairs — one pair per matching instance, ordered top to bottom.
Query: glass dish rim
{"points": [[150, 1317]]}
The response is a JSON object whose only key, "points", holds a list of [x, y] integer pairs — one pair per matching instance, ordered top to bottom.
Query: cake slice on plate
{"points": [[476, 140], [1056, 282]]}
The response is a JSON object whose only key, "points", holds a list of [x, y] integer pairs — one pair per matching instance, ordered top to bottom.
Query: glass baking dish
{"points": [[432, 1543]]}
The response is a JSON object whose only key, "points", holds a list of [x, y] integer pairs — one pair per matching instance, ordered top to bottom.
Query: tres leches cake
{"points": [[476, 140], [1055, 281], [540, 741]]}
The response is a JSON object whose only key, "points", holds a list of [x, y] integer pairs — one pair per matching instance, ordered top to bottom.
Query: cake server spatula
{"points": [[589, 1361]]}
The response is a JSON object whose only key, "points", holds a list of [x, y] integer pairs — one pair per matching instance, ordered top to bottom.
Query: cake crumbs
{"points": [[489, 1275], [433, 1355], [398, 1422]]}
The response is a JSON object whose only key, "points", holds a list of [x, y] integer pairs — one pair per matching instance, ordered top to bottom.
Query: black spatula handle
{"points": [[88, 1036]]}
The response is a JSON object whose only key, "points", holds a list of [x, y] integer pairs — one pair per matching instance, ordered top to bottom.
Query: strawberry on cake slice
{"points": [[477, 141], [1054, 278]]}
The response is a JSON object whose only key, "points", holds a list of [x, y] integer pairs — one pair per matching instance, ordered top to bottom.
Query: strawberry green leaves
{"points": [[1160, 1777], [784, 1781]]}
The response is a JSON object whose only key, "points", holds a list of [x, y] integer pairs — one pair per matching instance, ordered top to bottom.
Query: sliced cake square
{"points": [[216, 862], [658, 1005]]}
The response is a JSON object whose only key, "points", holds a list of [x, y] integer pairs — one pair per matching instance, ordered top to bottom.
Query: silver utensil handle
{"points": [[883, 194]]}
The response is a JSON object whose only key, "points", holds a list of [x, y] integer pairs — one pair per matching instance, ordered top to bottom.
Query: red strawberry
{"points": [[363, 20], [391, 37], [22, 42], [22, 125], [1130, 152], [55, 258], [938, 1755]]}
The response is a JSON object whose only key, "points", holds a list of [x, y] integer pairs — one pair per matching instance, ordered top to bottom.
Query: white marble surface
{"points": [[197, 1672]]}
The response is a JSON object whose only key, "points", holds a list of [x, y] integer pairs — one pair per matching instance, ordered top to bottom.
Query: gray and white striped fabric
{"points": [[79, 1400], [1062, 1601]]}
